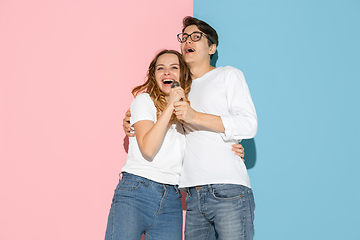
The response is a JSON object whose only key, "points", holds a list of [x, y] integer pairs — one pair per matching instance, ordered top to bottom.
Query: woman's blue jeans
{"points": [[141, 206], [219, 211]]}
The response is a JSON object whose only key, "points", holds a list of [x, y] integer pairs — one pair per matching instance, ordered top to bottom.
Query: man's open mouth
{"points": [[189, 50]]}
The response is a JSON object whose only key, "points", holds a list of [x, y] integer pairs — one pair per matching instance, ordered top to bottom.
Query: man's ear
{"points": [[212, 49]]}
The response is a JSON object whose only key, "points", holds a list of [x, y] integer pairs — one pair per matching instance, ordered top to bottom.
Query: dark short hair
{"points": [[202, 26]]}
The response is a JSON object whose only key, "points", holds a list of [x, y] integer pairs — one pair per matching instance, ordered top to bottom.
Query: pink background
{"points": [[66, 72]]}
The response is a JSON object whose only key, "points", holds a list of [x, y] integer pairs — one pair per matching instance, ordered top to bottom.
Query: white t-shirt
{"points": [[208, 156], [166, 165]]}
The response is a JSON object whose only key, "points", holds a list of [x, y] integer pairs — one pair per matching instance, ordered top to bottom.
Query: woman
{"points": [[147, 199]]}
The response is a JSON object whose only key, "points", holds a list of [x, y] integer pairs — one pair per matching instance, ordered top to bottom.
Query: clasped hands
{"points": [[184, 112]]}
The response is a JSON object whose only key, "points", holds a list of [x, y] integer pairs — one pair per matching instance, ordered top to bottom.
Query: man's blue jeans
{"points": [[141, 206], [219, 211]]}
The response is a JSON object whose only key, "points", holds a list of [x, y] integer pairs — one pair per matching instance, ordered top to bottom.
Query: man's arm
{"points": [[186, 113], [239, 123], [129, 131], [238, 149]]}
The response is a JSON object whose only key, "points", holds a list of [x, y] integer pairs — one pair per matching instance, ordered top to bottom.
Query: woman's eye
{"points": [[175, 68], [158, 69]]}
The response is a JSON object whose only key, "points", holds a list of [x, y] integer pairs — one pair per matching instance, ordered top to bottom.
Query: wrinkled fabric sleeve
{"points": [[241, 122]]}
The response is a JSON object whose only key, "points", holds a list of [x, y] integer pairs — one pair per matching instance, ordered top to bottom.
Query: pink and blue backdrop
{"points": [[66, 72]]}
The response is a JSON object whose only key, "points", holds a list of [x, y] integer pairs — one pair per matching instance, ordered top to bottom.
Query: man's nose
{"points": [[189, 40]]}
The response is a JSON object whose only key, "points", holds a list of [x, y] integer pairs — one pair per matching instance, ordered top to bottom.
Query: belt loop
{"points": [[120, 175], [146, 183], [176, 189], [211, 189], [188, 191]]}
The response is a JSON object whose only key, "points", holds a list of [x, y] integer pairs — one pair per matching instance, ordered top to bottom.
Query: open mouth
{"points": [[190, 50], [167, 81]]}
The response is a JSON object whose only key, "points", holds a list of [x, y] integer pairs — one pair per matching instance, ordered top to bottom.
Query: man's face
{"points": [[196, 52]]}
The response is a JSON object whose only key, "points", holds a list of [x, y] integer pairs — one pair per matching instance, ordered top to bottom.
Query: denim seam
{"points": [[163, 201], [199, 207], [252, 207], [244, 215], [155, 219], [112, 225], [208, 232]]}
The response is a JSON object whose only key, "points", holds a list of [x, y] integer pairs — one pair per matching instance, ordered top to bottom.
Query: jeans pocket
{"points": [[128, 184], [124, 188], [227, 192]]}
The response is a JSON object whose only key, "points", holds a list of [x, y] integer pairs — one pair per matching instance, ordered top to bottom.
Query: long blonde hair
{"points": [[151, 87]]}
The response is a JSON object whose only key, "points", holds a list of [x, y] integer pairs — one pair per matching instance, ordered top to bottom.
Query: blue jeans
{"points": [[141, 206], [219, 211]]}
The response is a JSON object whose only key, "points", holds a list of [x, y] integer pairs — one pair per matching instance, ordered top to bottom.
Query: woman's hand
{"points": [[176, 94]]}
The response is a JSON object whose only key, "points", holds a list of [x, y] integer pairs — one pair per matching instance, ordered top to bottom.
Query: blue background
{"points": [[301, 62]]}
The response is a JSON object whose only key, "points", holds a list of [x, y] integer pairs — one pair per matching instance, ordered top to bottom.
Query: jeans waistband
{"points": [[146, 181], [201, 187], [211, 187]]}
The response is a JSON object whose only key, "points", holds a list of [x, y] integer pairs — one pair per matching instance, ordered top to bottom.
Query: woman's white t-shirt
{"points": [[166, 165]]}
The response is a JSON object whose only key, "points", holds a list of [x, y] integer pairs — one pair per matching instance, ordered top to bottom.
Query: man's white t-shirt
{"points": [[208, 156]]}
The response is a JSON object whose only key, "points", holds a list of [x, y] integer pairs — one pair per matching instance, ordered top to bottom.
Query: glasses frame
{"points": [[189, 35]]}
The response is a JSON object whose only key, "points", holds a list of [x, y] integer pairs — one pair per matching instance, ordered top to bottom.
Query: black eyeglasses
{"points": [[195, 37]]}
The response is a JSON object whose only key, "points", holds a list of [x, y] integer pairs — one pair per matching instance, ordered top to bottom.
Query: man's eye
{"points": [[196, 36]]}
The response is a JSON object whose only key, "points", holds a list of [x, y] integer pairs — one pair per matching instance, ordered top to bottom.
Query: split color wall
{"points": [[66, 72]]}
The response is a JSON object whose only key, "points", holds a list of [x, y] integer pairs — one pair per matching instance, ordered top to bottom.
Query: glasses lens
{"points": [[196, 36], [183, 37]]}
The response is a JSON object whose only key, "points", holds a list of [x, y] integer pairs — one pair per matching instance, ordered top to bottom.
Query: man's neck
{"points": [[198, 71]]}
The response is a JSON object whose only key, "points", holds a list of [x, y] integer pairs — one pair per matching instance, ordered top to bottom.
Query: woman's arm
{"points": [[150, 135]]}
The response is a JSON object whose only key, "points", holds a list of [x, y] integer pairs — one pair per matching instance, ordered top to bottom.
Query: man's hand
{"points": [[184, 112], [126, 125], [239, 150]]}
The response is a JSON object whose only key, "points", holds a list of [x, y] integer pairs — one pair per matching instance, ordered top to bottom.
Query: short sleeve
{"points": [[142, 108]]}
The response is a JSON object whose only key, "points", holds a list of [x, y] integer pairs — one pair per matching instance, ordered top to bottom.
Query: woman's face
{"points": [[167, 70]]}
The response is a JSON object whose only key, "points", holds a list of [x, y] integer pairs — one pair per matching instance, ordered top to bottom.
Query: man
{"points": [[220, 201]]}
